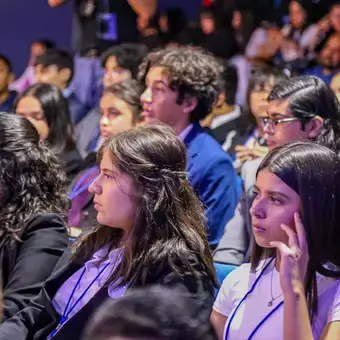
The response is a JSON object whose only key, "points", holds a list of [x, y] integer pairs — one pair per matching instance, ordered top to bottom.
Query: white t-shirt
{"points": [[255, 307]]}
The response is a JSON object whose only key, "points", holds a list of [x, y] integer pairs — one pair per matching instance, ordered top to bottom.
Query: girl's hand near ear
{"points": [[293, 258]]}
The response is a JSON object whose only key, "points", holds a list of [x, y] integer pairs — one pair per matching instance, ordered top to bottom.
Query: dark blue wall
{"points": [[23, 21]]}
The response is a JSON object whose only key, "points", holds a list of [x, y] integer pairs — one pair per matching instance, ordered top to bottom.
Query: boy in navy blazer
{"points": [[182, 85]]}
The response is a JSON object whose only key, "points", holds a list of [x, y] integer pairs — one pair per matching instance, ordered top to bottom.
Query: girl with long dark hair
{"points": [[152, 231], [293, 280]]}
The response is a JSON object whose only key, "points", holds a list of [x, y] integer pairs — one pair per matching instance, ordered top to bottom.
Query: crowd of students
{"points": [[129, 177]]}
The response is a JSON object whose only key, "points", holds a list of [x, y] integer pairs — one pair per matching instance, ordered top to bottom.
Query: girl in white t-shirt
{"points": [[291, 288]]}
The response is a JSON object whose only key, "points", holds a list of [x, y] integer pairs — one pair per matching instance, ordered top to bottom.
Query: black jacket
{"points": [[27, 264], [40, 318]]}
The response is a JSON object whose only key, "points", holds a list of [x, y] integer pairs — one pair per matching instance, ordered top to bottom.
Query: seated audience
{"points": [[171, 24], [243, 24], [326, 27], [149, 33], [299, 33], [214, 37], [264, 43], [287, 44], [38, 48], [328, 60], [120, 63], [56, 67], [182, 85], [7, 97], [46, 108], [299, 108], [120, 110], [224, 118], [252, 143], [33, 207], [151, 232], [293, 280], [153, 313]]}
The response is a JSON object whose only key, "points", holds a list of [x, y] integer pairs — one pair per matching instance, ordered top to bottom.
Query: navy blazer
{"points": [[213, 178]]}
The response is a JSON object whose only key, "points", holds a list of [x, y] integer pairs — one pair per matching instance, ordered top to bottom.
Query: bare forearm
{"points": [[144, 7], [296, 319]]}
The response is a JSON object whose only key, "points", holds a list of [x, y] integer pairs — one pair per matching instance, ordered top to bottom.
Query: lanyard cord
{"points": [[244, 298], [66, 311]]}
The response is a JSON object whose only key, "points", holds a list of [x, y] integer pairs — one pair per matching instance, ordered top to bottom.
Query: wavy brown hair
{"points": [[32, 179], [169, 225]]}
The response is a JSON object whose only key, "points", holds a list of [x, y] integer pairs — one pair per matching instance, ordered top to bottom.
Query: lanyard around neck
{"points": [[242, 301], [67, 310]]}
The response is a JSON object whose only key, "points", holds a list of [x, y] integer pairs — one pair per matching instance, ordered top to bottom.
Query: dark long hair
{"points": [[260, 78], [129, 91], [309, 97], [57, 115], [313, 172], [32, 180], [169, 226]]}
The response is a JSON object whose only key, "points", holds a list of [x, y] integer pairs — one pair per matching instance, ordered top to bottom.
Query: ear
{"points": [[65, 75], [189, 104], [314, 126]]}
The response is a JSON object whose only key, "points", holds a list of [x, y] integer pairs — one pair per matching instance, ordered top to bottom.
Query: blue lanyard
{"points": [[77, 188], [244, 298], [66, 311]]}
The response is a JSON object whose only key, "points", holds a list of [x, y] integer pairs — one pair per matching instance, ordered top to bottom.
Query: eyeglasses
{"points": [[272, 123]]}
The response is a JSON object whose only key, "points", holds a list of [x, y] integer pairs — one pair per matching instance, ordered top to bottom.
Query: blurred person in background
{"points": [[171, 23], [99, 24], [243, 24], [326, 27], [287, 44], [38, 48], [328, 60], [120, 63], [56, 67], [7, 97], [47, 109], [120, 110], [225, 120], [252, 143], [33, 208], [152, 313]]}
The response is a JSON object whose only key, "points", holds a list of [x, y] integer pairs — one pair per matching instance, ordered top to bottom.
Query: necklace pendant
{"points": [[270, 303]]}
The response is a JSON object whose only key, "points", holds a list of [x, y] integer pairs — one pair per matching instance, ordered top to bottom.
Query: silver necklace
{"points": [[270, 303]]}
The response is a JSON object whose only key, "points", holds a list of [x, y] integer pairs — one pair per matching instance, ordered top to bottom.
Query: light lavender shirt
{"points": [[91, 271]]}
